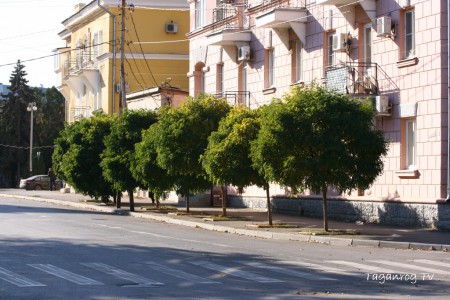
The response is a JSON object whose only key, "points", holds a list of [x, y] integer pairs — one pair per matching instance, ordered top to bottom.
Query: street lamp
{"points": [[31, 108]]}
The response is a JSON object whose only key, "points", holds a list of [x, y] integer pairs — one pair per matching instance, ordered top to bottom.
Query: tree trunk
{"points": [[131, 196], [115, 197], [119, 199], [211, 199], [224, 200], [157, 202], [187, 203], [269, 205], [325, 208]]}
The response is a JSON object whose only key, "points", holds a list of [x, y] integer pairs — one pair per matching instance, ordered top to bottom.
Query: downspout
{"points": [[113, 90], [448, 102]]}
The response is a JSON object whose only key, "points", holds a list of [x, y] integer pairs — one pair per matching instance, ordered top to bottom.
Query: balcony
{"points": [[369, 6], [223, 11], [283, 15], [229, 37], [81, 72], [358, 79], [363, 81], [235, 97], [79, 112]]}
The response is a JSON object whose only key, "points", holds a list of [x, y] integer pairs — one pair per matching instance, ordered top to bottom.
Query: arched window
{"points": [[199, 79]]}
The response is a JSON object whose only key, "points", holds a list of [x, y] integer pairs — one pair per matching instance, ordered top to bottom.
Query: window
{"points": [[199, 13], [409, 34], [367, 48], [330, 55], [297, 62], [269, 68], [199, 79], [220, 79], [245, 100], [410, 143]]}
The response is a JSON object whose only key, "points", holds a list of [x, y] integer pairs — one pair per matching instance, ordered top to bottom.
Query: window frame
{"points": [[199, 13], [409, 36], [331, 55], [298, 66], [270, 67], [220, 78], [410, 144]]}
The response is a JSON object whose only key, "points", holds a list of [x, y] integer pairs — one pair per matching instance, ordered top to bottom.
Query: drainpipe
{"points": [[113, 90], [448, 102]]}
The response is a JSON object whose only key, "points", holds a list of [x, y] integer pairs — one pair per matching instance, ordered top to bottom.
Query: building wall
{"points": [[151, 57], [416, 87]]}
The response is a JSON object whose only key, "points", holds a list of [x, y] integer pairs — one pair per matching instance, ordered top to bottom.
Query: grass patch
{"points": [[36, 196], [90, 201], [160, 208], [183, 213], [224, 218], [276, 225], [329, 232]]}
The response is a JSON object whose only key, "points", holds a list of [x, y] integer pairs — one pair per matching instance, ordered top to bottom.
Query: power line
{"points": [[142, 50], [25, 147]]}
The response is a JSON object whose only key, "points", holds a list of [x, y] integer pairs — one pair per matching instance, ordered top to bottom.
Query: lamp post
{"points": [[31, 108]]}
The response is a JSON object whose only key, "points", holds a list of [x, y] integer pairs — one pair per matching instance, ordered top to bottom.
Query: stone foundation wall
{"points": [[389, 213]]}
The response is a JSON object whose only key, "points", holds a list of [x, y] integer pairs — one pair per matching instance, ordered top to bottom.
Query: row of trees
{"points": [[15, 128], [312, 138]]}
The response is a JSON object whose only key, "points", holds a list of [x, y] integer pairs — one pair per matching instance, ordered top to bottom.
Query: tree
{"points": [[49, 122], [15, 127], [126, 131], [316, 138], [184, 139], [77, 155], [227, 158], [145, 168]]}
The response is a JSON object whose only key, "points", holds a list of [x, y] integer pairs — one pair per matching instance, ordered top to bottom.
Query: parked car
{"points": [[38, 182]]}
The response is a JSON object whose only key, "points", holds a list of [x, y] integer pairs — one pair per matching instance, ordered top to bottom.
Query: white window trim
{"points": [[410, 52], [330, 53], [298, 61], [271, 66], [410, 157]]}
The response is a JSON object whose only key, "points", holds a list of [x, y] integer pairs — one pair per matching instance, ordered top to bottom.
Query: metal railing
{"points": [[285, 3], [223, 11], [82, 62], [353, 78], [235, 97], [79, 112]]}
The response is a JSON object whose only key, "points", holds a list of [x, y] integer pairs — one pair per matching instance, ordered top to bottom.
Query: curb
{"points": [[333, 241]]}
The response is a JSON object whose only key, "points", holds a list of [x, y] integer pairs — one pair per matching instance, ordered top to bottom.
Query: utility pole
{"points": [[123, 101], [31, 108]]}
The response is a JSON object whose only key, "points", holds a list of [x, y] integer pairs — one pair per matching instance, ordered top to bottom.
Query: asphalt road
{"points": [[51, 252]]}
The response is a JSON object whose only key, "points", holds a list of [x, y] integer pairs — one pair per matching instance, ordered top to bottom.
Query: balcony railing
{"points": [[284, 3], [223, 11], [82, 62], [354, 78], [235, 97], [79, 112]]}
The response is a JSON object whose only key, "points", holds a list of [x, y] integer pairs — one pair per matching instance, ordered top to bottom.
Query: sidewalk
{"points": [[371, 235]]}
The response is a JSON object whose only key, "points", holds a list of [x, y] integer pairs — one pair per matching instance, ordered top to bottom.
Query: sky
{"points": [[29, 30]]}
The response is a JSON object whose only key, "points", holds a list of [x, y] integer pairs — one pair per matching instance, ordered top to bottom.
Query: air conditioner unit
{"points": [[384, 26], [171, 27], [340, 42], [244, 53], [381, 105]]}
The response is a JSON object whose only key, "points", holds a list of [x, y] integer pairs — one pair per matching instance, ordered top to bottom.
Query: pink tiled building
{"points": [[391, 51]]}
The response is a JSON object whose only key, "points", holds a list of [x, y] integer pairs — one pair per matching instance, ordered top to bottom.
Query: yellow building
{"points": [[155, 52]]}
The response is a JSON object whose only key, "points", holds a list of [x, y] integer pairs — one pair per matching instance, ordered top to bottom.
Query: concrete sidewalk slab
{"points": [[371, 235]]}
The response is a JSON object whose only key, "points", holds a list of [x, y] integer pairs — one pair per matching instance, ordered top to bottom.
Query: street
{"points": [[52, 252]]}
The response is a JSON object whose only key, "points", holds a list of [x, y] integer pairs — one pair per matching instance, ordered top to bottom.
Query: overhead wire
{"points": [[142, 50]]}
